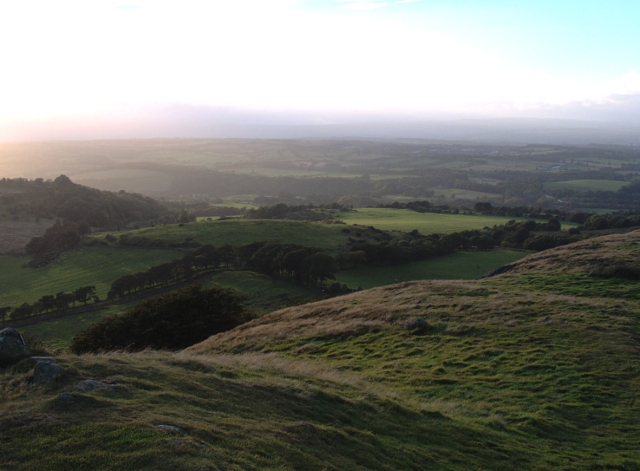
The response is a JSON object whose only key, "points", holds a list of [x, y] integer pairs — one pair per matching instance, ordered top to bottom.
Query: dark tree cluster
{"points": [[74, 203], [308, 212], [611, 221], [56, 239], [206, 257], [304, 265], [49, 303], [172, 322]]}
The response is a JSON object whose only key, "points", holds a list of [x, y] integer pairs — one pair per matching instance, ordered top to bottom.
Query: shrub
{"points": [[173, 321]]}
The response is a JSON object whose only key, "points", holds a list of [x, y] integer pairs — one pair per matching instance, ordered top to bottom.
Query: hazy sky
{"points": [[104, 63]]}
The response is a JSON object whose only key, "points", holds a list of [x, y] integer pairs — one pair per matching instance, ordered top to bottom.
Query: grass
{"points": [[584, 185], [426, 223], [242, 231], [83, 266], [458, 266], [261, 293], [502, 375]]}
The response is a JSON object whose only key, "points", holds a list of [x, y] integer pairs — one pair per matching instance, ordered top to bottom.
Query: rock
{"points": [[417, 324], [12, 344], [37, 360], [46, 372], [92, 385], [65, 397], [170, 428]]}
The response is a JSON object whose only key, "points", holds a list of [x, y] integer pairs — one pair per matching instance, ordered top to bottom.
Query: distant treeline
{"points": [[61, 198], [307, 212], [303, 265], [311, 266], [49, 303]]}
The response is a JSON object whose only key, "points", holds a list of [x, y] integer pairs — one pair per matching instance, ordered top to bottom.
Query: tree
{"points": [[321, 267], [84, 293], [64, 299], [47, 302], [22, 311], [4, 312], [173, 321]]}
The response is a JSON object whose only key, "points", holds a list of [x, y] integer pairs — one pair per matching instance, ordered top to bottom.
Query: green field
{"points": [[584, 185], [426, 223], [237, 232], [97, 266], [458, 266], [262, 294], [536, 369]]}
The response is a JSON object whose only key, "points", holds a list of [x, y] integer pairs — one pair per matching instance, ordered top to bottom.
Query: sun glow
{"points": [[100, 59]]}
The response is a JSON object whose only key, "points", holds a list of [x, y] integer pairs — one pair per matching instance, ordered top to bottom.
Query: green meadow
{"points": [[584, 185], [426, 223], [242, 231], [83, 266], [458, 266], [261, 294]]}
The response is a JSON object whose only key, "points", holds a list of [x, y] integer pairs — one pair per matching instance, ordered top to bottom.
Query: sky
{"points": [[95, 68]]}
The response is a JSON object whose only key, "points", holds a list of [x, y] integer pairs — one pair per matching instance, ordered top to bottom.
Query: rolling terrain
{"points": [[498, 373]]}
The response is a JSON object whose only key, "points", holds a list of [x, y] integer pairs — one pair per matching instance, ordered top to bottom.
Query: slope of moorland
{"points": [[501, 373]]}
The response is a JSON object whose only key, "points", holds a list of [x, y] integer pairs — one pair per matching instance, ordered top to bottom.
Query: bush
{"points": [[173, 321]]}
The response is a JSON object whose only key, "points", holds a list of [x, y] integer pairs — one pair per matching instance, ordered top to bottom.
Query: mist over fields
{"points": [[190, 122]]}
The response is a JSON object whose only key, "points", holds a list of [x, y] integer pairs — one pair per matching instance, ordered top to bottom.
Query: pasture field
{"points": [[584, 185], [426, 223], [241, 231], [83, 266], [457, 266], [262, 294], [57, 334]]}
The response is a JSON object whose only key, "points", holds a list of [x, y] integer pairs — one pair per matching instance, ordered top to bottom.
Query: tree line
{"points": [[303, 265], [50, 303]]}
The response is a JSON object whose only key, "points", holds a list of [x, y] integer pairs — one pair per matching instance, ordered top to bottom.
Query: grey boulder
{"points": [[12, 344], [46, 371]]}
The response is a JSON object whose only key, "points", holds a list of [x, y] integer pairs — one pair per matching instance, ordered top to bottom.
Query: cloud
{"points": [[370, 4]]}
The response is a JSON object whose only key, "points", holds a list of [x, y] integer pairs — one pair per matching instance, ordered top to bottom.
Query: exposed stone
{"points": [[12, 344], [37, 360], [46, 372], [91, 385], [66, 397], [170, 428]]}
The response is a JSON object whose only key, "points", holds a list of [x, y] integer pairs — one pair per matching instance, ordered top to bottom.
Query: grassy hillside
{"points": [[426, 223], [241, 231], [83, 266], [261, 293], [501, 375]]}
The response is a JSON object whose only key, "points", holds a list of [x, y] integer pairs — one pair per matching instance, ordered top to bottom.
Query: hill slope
{"points": [[537, 368]]}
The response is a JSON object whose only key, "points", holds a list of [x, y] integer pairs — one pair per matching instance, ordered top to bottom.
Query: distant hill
{"points": [[61, 198], [534, 368]]}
